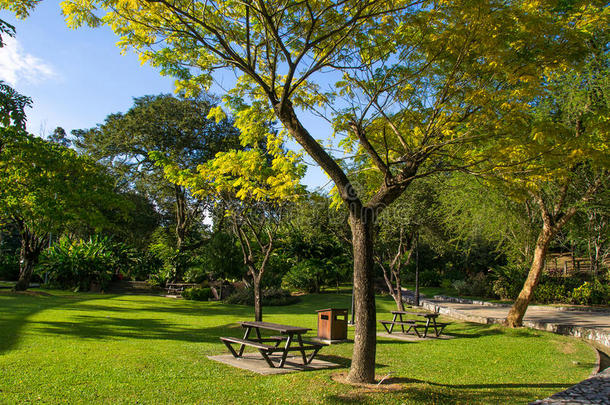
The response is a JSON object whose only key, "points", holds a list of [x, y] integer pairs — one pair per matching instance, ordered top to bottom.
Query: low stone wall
{"points": [[468, 301], [436, 306], [594, 335]]}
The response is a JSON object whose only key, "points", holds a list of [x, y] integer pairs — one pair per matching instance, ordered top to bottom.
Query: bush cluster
{"points": [[81, 264], [9, 266], [305, 276], [429, 278], [508, 282], [477, 285], [197, 293], [591, 293], [270, 297]]}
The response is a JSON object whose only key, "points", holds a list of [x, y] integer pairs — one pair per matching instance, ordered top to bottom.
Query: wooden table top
{"points": [[431, 315], [275, 327]]}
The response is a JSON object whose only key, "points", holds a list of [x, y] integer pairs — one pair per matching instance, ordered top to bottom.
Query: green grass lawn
{"points": [[93, 348]]}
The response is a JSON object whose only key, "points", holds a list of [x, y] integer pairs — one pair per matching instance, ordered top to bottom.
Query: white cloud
{"points": [[17, 66]]}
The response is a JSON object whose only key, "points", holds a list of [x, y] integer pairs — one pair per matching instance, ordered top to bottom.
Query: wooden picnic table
{"points": [[415, 325], [291, 334]]}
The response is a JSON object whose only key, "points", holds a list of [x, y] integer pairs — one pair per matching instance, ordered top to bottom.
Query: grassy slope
{"points": [[134, 349]]}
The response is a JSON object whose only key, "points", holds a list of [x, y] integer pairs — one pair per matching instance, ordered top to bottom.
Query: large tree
{"points": [[409, 80], [178, 129], [558, 157], [45, 189]]}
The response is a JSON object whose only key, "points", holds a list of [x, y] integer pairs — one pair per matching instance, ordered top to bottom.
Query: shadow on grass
{"points": [[174, 306], [18, 307], [101, 328], [342, 361], [405, 380], [409, 389], [424, 395]]}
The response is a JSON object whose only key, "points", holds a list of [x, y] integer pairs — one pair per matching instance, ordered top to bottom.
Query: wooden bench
{"points": [[265, 350]]}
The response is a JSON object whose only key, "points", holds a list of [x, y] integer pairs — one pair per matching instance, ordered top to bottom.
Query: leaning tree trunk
{"points": [[181, 227], [31, 246], [393, 284], [398, 292], [517, 311], [363, 358]]}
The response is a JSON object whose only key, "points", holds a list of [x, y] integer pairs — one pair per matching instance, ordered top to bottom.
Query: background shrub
{"points": [[81, 264], [9, 266], [305, 276], [429, 278], [507, 281], [461, 287], [550, 293], [591, 293], [197, 294], [271, 297]]}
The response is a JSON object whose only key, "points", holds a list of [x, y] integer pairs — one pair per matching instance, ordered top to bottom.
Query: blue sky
{"points": [[77, 77]]}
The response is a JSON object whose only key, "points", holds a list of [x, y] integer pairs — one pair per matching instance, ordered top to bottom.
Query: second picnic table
{"points": [[412, 324], [291, 334]]}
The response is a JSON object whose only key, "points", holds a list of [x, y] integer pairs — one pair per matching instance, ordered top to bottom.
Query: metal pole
{"points": [[417, 269], [351, 322]]}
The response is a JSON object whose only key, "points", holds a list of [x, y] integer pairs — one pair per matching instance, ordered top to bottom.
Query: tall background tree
{"points": [[178, 130], [558, 156], [251, 185]]}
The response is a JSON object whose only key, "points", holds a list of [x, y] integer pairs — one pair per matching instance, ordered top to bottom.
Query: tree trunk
{"points": [[181, 227], [31, 246], [26, 268], [398, 292], [258, 307], [517, 311], [363, 357]]}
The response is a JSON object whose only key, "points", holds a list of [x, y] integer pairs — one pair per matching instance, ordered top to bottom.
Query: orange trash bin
{"points": [[332, 324]]}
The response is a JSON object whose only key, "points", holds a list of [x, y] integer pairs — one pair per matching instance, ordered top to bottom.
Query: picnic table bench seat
{"points": [[412, 325], [305, 342], [251, 343]]}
